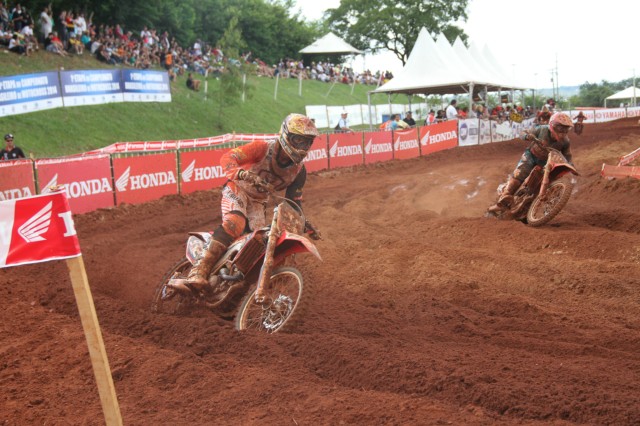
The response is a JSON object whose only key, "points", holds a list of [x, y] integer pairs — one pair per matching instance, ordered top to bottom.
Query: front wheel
{"points": [[557, 196], [167, 299], [282, 301]]}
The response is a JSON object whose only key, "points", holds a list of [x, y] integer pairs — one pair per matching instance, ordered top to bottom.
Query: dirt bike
{"points": [[578, 128], [543, 194], [255, 273]]}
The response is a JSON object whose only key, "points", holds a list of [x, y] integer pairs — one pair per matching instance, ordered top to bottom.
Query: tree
{"points": [[372, 25]]}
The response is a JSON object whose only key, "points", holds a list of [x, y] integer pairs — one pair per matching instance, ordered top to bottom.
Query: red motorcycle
{"points": [[578, 128], [543, 194], [256, 273]]}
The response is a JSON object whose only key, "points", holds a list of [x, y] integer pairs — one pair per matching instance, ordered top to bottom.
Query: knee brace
{"points": [[232, 227]]}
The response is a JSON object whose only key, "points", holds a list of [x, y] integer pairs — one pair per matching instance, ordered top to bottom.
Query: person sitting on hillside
{"points": [[53, 44], [16, 45], [192, 83]]}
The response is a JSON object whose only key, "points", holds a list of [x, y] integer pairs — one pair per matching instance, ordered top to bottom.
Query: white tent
{"points": [[330, 44], [434, 70], [629, 93]]}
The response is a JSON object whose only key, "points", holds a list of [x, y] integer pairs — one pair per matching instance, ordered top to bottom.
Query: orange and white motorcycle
{"points": [[543, 194], [255, 279]]}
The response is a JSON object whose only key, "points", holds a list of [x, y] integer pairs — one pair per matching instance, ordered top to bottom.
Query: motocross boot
{"points": [[506, 198], [199, 274]]}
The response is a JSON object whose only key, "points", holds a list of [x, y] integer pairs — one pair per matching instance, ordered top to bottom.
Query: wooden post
{"points": [[92, 333]]}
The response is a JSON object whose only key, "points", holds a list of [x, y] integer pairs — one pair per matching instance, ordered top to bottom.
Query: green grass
{"points": [[65, 131]]}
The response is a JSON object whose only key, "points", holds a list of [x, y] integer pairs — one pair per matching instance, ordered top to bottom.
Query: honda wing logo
{"points": [[425, 140], [367, 147], [334, 149], [188, 172], [123, 181], [53, 183], [32, 230]]}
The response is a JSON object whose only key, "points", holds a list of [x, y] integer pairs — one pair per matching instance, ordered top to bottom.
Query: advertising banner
{"points": [[146, 86], [91, 87], [20, 94], [608, 114], [468, 132], [484, 134], [438, 137], [406, 144], [378, 147], [345, 149], [317, 158], [200, 170], [145, 176], [16, 179], [86, 181], [36, 229]]}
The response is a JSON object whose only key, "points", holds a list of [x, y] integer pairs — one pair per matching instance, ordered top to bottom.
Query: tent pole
{"points": [[389, 100], [370, 116]]}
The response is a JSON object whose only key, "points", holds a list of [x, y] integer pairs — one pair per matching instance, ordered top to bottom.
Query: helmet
{"points": [[560, 123], [8, 136], [296, 136]]}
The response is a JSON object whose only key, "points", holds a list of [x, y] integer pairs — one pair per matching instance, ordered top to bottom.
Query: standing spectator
{"points": [[4, 17], [17, 18], [46, 23], [29, 39], [452, 111], [440, 116], [408, 118], [431, 118], [343, 125], [10, 152]]}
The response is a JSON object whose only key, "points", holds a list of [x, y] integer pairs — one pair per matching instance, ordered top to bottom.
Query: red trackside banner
{"points": [[438, 137], [406, 144], [377, 147], [345, 149], [317, 157], [201, 170], [145, 177], [16, 179], [86, 180], [37, 229]]}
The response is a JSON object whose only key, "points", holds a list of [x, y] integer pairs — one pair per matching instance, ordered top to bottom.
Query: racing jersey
{"points": [[544, 134]]}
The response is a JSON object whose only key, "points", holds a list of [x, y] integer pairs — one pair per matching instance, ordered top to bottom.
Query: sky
{"points": [[585, 40]]}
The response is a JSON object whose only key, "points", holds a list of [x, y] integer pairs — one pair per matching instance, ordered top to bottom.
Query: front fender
{"points": [[290, 243]]}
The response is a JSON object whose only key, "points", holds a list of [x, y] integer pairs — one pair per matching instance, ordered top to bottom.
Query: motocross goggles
{"points": [[559, 128], [301, 142]]}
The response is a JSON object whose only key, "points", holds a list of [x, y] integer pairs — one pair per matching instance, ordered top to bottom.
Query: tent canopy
{"points": [[330, 44], [437, 68], [628, 93]]}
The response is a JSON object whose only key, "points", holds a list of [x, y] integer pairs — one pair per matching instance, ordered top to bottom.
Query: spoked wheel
{"points": [[558, 194], [168, 300], [282, 301]]}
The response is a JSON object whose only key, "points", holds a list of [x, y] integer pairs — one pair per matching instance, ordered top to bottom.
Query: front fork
{"points": [[545, 183], [267, 264]]}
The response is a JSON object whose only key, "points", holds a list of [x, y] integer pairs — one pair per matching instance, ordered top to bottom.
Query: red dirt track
{"points": [[423, 311]]}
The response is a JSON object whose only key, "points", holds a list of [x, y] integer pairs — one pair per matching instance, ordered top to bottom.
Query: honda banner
{"points": [[438, 137], [405, 144], [378, 147], [345, 149], [317, 157], [200, 170], [144, 177], [16, 179], [86, 180], [37, 229]]}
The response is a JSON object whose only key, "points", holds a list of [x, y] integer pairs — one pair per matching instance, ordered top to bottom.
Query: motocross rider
{"points": [[553, 135], [277, 163]]}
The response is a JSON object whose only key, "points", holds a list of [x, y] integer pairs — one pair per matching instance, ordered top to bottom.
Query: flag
{"points": [[37, 229]]}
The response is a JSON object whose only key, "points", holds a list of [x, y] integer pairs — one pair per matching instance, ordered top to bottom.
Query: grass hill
{"points": [[191, 114]]}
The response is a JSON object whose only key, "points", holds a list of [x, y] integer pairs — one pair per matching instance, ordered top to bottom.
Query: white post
{"points": [[244, 83], [275, 94]]}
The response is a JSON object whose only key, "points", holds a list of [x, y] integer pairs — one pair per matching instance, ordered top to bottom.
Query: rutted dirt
{"points": [[424, 312]]}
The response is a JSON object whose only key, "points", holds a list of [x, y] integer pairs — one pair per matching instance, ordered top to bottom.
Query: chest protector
{"points": [[545, 135], [269, 170]]}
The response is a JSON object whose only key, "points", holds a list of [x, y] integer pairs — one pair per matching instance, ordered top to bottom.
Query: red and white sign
{"points": [[438, 137], [405, 144], [378, 147], [345, 149], [317, 158], [201, 170], [145, 177], [16, 179], [86, 180], [37, 229]]}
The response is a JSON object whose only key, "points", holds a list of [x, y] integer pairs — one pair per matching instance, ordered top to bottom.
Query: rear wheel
{"points": [[557, 196], [167, 299], [281, 303]]}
